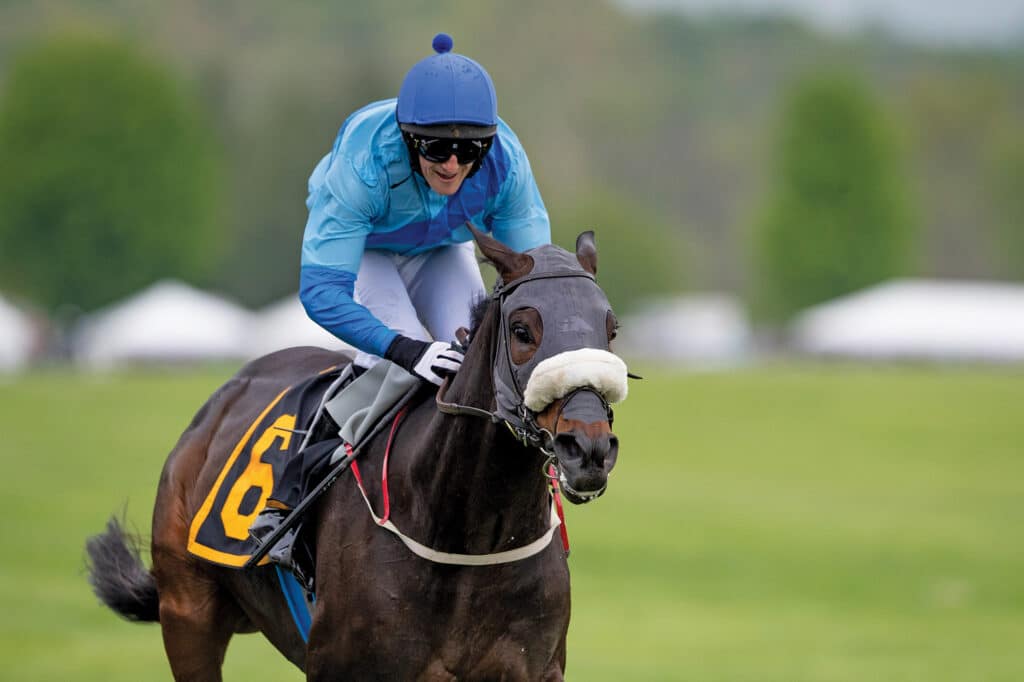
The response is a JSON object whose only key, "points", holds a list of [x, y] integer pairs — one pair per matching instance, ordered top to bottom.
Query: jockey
{"points": [[387, 262]]}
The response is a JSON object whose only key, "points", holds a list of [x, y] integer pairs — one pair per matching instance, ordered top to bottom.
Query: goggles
{"points": [[440, 149]]}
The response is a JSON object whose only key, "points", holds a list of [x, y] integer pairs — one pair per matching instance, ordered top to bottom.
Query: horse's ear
{"points": [[586, 251], [510, 264]]}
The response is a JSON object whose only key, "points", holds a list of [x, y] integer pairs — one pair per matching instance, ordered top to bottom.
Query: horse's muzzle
{"points": [[585, 447]]}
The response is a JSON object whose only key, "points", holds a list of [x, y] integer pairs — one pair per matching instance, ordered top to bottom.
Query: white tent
{"points": [[918, 319], [168, 322], [284, 324], [696, 329], [17, 337]]}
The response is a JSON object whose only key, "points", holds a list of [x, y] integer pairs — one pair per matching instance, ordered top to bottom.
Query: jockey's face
{"points": [[445, 177]]}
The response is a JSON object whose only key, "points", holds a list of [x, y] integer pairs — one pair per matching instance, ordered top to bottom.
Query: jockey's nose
{"points": [[451, 165]]}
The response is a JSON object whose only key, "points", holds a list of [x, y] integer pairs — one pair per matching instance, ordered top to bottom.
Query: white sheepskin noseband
{"points": [[556, 376]]}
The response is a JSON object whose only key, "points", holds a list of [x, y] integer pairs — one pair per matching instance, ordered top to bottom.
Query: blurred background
{"points": [[811, 224]]}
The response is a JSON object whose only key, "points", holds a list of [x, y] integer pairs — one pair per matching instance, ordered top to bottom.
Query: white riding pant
{"points": [[427, 296]]}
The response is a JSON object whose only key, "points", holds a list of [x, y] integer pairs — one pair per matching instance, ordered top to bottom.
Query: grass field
{"points": [[789, 524]]}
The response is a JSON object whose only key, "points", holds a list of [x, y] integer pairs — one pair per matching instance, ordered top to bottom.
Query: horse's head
{"points": [[554, 375]]}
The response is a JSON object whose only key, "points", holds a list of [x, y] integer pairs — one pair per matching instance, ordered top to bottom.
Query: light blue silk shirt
{"points": [[364, 195]]}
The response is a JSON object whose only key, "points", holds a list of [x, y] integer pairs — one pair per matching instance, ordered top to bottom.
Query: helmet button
{"points": [[442, 43]]}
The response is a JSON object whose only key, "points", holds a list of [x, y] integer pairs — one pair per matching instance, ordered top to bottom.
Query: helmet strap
{"points": [[414, 156]]}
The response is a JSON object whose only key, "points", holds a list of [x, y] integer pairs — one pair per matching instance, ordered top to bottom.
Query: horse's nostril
{"points": [[569, 446], [577, 448], [612, 454]]}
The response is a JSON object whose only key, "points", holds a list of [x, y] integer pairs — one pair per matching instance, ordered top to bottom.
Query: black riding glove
{"points": [[429, 361]]}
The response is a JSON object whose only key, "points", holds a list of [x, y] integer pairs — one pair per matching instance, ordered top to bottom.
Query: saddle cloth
{"points": [[263, 465]]}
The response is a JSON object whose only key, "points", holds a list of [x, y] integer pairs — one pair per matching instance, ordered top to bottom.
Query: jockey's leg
{"points": [[444, 284], [380, 288]]}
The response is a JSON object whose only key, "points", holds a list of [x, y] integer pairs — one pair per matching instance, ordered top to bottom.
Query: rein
{"points": [[530, 434]]}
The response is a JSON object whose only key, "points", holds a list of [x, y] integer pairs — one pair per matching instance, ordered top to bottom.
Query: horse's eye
{"points": [[612, 325], [522, 333]]}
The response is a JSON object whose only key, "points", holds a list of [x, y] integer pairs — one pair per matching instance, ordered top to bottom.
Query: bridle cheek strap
{"points": [[561, 374]]}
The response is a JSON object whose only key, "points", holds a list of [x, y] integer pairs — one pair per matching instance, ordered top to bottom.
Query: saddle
{"points": [[332, 412]]}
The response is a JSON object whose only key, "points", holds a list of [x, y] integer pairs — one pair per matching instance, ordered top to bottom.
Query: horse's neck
{"points": [[485, 484]]}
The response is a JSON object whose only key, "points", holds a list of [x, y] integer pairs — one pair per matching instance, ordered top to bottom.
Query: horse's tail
{"points": [[118, 576]]}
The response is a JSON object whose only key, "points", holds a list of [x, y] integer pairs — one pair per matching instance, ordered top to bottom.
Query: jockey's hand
{"points": [[430, 361]]}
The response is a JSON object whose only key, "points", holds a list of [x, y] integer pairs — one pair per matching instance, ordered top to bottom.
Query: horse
{"points": [[539, 370]]}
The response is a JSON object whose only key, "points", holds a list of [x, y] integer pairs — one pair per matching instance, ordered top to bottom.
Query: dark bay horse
{"points": [[538, 365]]}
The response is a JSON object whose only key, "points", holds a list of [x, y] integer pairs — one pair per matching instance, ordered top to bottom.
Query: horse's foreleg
{"points": [[556, 668]]}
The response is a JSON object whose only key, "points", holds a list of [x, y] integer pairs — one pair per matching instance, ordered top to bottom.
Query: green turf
{"points": [[790, 524]]}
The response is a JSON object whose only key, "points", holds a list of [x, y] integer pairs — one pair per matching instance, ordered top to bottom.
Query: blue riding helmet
{"points": [[447, 95]]}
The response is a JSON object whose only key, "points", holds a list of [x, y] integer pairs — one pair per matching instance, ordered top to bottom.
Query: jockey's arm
{"points": [[341, 208], [519, 218], [327, 296]]}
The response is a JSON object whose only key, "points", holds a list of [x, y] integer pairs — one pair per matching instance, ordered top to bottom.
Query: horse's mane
{"points": [[476, 314], [479, 333]]}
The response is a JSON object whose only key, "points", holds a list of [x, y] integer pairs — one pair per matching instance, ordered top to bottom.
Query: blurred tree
{"points": [[957, 117], [295, 129], [108, 179], [1007, 184], [838, 217], [638, 256]]}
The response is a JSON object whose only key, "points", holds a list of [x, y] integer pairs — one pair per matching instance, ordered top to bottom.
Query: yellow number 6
{"points": [[257, 474]]}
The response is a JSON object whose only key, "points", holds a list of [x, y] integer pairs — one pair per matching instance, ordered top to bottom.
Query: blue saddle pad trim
{"points": [[295, 596]]}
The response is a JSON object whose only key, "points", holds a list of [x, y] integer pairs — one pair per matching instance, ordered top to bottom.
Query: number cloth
{"points": [[262, 465]]}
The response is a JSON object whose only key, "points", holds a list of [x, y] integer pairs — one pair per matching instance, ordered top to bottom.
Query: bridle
{"points": [[514, 412], [522, 421], [528, 431]]}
